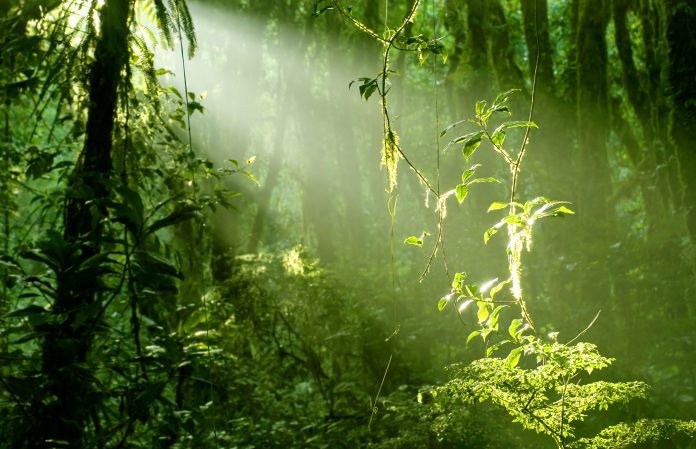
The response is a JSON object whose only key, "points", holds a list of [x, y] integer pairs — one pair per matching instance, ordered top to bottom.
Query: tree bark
{"points": [[680, 36], [65, 347]]}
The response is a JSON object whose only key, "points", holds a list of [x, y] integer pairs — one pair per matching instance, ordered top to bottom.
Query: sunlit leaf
{"points": [[480, 106], [518, 124], [444, 131], [498, 137], [471, 145], [469, 172], [479, 180], [462, 190], [496, 206], [488, 234], [413, 240], [495, 290], [483, 312], [514, 324], [473, 335], [513, 358]]}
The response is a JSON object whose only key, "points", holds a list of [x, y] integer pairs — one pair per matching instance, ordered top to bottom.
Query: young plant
{"points": [[540, 382]]}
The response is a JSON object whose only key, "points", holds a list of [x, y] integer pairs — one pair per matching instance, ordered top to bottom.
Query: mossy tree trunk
{"points": [[680, 36], [591, 163], [69, 399]]}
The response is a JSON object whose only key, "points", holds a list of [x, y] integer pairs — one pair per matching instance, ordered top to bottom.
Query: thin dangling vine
{"points": [[193, 186]]}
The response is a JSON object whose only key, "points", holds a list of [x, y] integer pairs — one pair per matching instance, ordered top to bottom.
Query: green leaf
{"points": [[503, 97], [194, 106], [480, 106], [518, 124], [444, 131], [498, 137], [472, 144], [468, 173], [251, 177], [479, 180], [462, 191], [496, 206], [564, 211], [182, 213], [488, 234], [413, 240], [152, 264], [459, 278], [497, 288], [472, 290], [442, 303], [26, 311], [483, 312], [514, 325], [473, 335], [513, 358]]}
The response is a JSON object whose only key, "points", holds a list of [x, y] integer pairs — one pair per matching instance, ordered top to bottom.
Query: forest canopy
{"points": [[314, 224]]}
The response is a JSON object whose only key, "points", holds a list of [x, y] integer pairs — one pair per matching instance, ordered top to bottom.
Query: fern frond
{"points": [[164, 23]]}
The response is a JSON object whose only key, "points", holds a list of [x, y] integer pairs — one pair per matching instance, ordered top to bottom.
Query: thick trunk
{"points": [[536, 35], [680, 35], [477, 51], [507, 72], [592, 112], [645, 162], [594, 222], [66, 344]]}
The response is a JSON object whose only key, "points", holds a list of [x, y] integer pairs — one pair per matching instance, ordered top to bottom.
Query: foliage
{"points": [[136, 311], [545, 394]]}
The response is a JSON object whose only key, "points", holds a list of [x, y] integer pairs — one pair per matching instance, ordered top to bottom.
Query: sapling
{"points": [[540, 382]]}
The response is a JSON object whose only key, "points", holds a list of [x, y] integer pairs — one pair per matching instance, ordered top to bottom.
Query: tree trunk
{"points": [[680, 36], [507, 72], [644, 162], [592, 174], [68, 394]]}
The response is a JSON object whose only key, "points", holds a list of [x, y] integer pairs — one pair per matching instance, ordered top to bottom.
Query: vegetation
{"points": [[202, 251]]}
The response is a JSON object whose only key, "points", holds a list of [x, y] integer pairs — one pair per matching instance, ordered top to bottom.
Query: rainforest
{"points": [[383, 224]]}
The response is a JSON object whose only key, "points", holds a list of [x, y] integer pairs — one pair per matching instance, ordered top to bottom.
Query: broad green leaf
{"points": [[480, 106], [498, 137], [471, 145], [468, 173], [462, 191], [496, 206], [182, 213], [488, 234], [413, 240], [152, 264], [458, 279], [497, 288], [472, 290], [442, 303], [26, 311], [483, 312], [514, 325], [473, 335], [513, 358]]}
